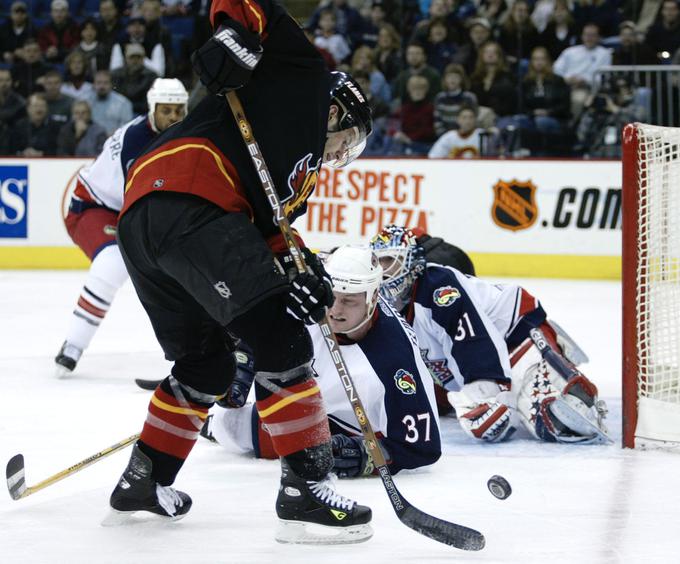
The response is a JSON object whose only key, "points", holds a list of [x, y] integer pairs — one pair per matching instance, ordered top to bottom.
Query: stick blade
{"points": [[150, 385], [16, 476], [442, 531]]}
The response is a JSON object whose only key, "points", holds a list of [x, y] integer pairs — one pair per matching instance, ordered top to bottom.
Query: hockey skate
{"points": [[66, 359], [137, 491], [313, 513]]}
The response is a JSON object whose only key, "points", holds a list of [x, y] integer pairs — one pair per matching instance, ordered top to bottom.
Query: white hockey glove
{"points": [[485, 410]]}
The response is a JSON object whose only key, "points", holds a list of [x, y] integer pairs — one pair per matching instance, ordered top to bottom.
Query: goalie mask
{"points": [[165, 91], [350, 121], [403, 261], [356, 270]]}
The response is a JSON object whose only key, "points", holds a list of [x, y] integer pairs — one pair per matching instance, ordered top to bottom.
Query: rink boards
{"points": [[545, 218]]}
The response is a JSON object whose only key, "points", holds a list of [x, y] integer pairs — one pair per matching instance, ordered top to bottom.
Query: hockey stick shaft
{"points": [[16, 480], [438, 529]]}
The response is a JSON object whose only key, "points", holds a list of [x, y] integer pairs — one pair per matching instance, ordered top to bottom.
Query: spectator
{"points": [[438, 10], [493, 11], [642, 12], [541, 13], [604, 13], [348, 21], [110, 26], [371, 26], [15, 31], [479, 32], [560, 32], [61, 34], [157, 34], [664, 35], [518, 36], [328, 38], [439, 46], [630, 50], [388, 52], [95, 53], [327, 57], [154, 60], [363, 60], [416, 64], [578, 65], [28, 73], [133, 80], [492, 83], [77, 85], [453, 96], [58, 104], [12, 106], [545, 106], [109, 109], [606, 113], [36, 134], [416, 134], [80, 136], [462, 143], [375, 144]]}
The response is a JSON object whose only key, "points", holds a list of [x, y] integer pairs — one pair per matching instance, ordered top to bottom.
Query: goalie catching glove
{"points": [[226, 61], [311, 292], [485, 410]]}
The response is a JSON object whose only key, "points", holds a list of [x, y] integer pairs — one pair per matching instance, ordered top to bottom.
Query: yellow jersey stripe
{"points": [[257, 15], [169, 152], [287, 401], [174, 409]]}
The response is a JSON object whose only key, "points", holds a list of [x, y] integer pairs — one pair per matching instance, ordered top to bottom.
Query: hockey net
{"points": [[651, 286]]}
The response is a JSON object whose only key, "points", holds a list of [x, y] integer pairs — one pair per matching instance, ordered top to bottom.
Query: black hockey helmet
{"points": [[353, 112]]}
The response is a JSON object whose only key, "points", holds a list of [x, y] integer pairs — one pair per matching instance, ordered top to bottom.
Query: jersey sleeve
{"points": [[254, 15], [477, 349], [411, 435]]}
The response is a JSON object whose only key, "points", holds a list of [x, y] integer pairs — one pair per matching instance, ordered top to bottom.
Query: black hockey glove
{"points": [[226, 61], [310, 292], [237, 394], [350, 458]]}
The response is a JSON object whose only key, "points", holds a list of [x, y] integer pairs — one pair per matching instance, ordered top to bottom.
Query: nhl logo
{"points": [[158, 183], [514, 206], [223, 290]]}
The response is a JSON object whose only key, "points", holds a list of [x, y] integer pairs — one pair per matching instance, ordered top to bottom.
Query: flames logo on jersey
{"points": [[301, 183], [514, 206], [445, 296], [405, 382]]}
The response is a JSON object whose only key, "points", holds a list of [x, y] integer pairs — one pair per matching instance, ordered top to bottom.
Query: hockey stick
{"points": [[16, 472], [432, 527]]}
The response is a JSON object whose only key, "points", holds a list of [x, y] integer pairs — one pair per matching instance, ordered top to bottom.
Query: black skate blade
{"points": [[150, 385], [16, 476], [442, 531]]}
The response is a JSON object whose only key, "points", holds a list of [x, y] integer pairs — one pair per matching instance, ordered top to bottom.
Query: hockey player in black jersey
{"points": [[199, 241]]}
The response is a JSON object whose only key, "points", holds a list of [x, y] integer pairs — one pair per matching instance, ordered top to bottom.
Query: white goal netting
{"points": [[658, 284]]}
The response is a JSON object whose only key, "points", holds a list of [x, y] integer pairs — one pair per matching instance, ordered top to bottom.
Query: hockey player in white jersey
{"points": [[93, 215], [492, 348], [382, 355]]}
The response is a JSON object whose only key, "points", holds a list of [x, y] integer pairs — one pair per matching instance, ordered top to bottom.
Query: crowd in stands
{"points": [[445, 78]]}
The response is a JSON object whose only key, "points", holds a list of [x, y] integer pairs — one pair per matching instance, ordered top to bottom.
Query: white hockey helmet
{"points": [[165, 91], [355, 270]]}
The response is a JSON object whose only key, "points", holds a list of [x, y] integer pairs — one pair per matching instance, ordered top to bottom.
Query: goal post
{"points": [[651, 286]]}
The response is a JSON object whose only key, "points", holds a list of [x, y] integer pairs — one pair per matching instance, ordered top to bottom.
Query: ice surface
{"points": [[578, 504]]}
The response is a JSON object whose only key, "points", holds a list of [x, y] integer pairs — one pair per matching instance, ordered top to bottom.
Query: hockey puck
{"points": [[499, 487]]}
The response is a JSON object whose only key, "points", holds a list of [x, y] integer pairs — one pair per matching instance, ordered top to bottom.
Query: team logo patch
{"points": [[301, 183], [514, 206], [223, 290], [445, 295], [437, 367], [405, 382]]}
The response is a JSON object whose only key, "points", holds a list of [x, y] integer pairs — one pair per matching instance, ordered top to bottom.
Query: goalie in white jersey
{"points": [[93, 214], [492, 348], [383, 358]]}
